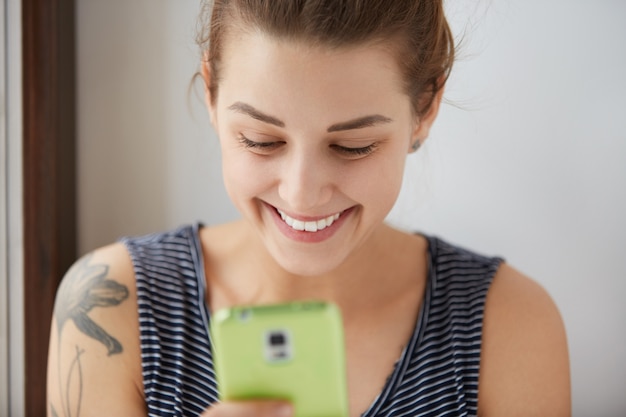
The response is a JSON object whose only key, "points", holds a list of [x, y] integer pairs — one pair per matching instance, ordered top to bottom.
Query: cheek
{"points": [[242, 178], [377, 184], [387, 189]]}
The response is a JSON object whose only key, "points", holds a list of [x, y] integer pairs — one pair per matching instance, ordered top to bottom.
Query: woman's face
{"points": [[313, 144]]}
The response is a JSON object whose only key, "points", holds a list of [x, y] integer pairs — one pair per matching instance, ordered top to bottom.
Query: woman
{"points": [[316, 104]]}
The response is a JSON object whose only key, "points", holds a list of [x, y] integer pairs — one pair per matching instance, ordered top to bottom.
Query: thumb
{"points": [[256, 408]]}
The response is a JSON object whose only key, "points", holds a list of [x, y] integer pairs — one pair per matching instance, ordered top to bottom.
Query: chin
{"points": [[312, 266]]}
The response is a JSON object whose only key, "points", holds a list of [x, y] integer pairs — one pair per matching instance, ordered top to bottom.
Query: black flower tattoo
{"points": [[85, 287], [73, 388]]}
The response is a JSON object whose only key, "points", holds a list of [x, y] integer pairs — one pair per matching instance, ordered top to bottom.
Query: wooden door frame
{"points": [[49, 177]]}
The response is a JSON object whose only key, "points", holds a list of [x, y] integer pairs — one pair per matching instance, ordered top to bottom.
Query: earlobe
{"points": [[415, 146]]}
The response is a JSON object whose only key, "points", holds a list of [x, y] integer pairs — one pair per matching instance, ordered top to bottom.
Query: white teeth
{"points": [[312, 226]]}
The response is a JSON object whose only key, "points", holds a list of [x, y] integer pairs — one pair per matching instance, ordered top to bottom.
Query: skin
{"points": [[304, 102], [306, 174], [85, 376]]}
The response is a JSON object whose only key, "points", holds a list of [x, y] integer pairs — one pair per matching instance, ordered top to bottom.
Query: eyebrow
{"points": [[244, 108], [358, 123]]}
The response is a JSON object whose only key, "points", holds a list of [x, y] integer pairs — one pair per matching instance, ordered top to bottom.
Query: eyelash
{"points": [[267, 146], [366, 150]]}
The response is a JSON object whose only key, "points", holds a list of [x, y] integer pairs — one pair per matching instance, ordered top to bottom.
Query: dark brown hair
{"points": [[416, 32]]}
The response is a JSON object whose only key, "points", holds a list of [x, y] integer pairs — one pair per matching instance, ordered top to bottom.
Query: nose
{"points": [[305, 181]]}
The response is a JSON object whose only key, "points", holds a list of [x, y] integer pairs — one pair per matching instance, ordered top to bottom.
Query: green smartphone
{"points": [[293, 351]]}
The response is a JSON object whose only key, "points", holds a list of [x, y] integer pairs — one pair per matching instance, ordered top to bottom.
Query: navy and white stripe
{"points": [[173, 320], [437, 374]]}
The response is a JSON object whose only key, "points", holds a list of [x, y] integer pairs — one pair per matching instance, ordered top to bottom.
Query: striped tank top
{"points": [[436, 375]]}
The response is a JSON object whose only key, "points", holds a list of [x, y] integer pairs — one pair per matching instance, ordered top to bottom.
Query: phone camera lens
{"points": [[277, 339], [278, 346]]}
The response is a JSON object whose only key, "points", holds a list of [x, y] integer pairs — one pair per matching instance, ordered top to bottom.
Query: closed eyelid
{"points": [[252, 144], [265, 148], [359, 151]]}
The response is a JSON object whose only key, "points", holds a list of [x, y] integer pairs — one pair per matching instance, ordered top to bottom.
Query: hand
{"points": [[250, 409]]}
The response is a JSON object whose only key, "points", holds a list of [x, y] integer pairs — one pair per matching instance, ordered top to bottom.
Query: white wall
{"points": [[146, 160], [532, 166], [4, 275], [12, 388]]}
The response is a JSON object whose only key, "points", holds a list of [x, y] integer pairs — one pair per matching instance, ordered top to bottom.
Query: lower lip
{"points": [[309, 237]]}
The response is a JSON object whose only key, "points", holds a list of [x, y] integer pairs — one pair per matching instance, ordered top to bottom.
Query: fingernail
{"points": [[284, 410]]}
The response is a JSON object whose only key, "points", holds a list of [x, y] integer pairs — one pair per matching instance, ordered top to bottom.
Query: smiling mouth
{"points": [[308, 226]]}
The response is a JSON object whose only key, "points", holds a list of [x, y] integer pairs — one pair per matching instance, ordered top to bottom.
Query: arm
{"points": [[524, 359], [94, 363]]}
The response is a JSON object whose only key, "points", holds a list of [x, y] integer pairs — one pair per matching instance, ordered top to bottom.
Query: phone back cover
{"points": [[312, 378]]}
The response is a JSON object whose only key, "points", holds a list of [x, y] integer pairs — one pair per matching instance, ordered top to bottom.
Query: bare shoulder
{"points": [[524, 359], [94, 365]]}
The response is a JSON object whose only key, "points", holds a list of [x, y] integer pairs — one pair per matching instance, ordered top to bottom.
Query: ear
{"points": [[206, 78], [424, 123]]}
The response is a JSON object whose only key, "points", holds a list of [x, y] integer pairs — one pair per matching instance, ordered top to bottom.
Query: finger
{"points": [[263, 408]]}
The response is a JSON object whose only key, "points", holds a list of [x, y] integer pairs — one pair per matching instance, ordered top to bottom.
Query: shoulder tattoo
{"points": [[86, 286]]}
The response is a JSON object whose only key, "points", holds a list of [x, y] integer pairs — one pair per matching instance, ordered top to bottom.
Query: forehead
{"points": [[263, 49], [260, 67]]}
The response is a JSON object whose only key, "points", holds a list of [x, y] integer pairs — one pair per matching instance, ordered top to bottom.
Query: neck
{"points": [[380, 270], [360, 277]]}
